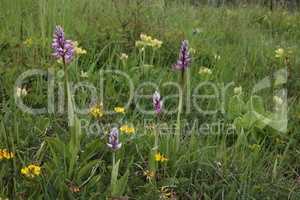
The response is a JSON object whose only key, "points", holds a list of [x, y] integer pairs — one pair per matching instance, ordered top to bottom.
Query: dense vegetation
{"points": [[228, 153]]}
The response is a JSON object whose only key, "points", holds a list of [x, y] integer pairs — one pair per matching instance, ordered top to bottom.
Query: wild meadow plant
{"points": [[143, 44], [63, 51], [181, 65], [117, 186]]}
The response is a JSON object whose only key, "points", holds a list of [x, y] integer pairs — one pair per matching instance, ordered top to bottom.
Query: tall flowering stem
{"points": [[63, 51], [182, 64], [158, 108], [114, 144]]}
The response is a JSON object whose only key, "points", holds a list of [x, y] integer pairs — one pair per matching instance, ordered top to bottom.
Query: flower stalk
{"points": [[63, 51], [182, 65]]}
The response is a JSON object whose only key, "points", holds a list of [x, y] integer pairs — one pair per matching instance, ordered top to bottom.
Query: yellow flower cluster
{"points": [[148, 41], [28, 42], [78, 50], [119, 109], [97, 111], [127, 129], [4, 154], [160, 157], [31, 171]]}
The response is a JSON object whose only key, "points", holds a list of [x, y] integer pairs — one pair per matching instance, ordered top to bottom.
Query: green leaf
{"points": [[246, 121], [74, 145], [86, 167], [114, 177], [121, 185]]}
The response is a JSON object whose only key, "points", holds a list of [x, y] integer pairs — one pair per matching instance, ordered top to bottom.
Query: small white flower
{"points": [[238, 90]]}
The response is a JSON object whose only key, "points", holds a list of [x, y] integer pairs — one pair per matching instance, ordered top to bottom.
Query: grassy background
{"points": [[205, 167]]}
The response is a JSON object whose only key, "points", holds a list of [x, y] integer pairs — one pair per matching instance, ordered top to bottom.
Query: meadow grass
{"points": [[237, 44]]}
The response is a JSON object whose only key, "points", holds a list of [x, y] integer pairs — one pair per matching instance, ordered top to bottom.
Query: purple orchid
{"points": [[63, 49], [184, 57], [157, 102], [113, 141]]}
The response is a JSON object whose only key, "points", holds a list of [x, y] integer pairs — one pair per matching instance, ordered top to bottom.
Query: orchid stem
{"points": [[66, 85], [180, 107], [113, 158]]}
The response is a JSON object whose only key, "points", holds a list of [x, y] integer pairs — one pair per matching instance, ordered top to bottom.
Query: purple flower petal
{"points": [[184, 57]]}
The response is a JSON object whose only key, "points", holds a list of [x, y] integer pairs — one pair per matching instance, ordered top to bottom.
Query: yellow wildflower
{"points": [[146, 38], [148, 41], [28, 42], [155, 43], [139, 44], [78, 50], [119, 109], [97, 111], [127, 129], [4, 154], [157, 157], [160, 158], [163, 158], [31, 171]]}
